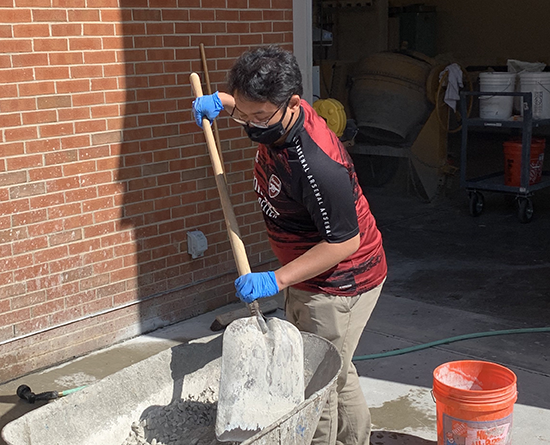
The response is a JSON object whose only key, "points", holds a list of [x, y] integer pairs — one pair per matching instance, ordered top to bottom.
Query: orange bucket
{"points": [[512, 161], [474, 403]]}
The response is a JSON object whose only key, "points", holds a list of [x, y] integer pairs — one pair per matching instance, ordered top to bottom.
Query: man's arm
{"points": [[228, 101], [315, 261]]}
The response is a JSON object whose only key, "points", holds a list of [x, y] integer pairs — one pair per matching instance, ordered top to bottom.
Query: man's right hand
{"points": [[207, 107]]}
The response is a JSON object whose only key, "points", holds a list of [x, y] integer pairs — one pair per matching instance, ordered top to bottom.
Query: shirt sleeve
{"points": [[327, 193]]}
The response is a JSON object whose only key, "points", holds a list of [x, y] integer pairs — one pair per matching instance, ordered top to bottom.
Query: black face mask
{"points": [[268, 135]]}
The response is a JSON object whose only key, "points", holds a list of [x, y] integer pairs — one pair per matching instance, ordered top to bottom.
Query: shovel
{"points": [[262, 364]]}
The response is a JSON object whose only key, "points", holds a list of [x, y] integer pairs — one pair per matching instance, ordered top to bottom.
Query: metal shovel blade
{"points": [[262, 377]]}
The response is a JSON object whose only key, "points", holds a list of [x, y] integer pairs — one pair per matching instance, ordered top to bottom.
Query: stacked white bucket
{"points": [[539, 85], [496, 107]]}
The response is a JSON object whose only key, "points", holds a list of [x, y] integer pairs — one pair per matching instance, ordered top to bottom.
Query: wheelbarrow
{"points": [[104, 411]]}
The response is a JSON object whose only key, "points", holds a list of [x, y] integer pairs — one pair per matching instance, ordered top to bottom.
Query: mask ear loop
{"points": [[291, 117], [288, 125]]}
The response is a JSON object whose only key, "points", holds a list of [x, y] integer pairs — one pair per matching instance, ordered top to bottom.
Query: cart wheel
{"points": [[476, 203], [525, 210]]}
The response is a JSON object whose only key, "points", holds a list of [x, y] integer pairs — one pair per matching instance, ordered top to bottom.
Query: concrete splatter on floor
{"points": [[74, 380], [183, 422]]}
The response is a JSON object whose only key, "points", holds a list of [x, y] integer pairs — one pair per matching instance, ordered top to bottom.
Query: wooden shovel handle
{"points": [[209, 90], [237, 245]]}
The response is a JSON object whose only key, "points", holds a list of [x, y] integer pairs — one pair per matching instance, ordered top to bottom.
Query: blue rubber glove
{"points": [[207, 106], [252, 286]]}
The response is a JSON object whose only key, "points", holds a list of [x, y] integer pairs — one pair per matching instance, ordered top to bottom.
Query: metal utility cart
{"points": [[494, 182]]}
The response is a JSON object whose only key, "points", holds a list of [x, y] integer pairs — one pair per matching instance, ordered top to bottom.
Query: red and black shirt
{"points": [[309, 192]]}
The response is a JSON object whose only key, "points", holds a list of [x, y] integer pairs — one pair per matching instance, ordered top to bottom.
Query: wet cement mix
{"points": [[183, 422]]}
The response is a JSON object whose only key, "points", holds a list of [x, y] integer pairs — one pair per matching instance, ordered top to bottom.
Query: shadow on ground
{"points": [[389, 437]]}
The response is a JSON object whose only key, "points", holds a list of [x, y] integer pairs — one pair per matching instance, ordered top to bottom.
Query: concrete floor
{"points": [[450, 274]]}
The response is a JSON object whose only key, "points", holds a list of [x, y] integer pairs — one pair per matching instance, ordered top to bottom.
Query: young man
{"points": [[318, 221]]}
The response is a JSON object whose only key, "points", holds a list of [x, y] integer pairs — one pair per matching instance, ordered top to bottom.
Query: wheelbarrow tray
{"points": [[104, 411]]}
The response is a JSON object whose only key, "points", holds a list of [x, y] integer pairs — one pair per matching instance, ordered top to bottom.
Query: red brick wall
{"points": [[103, 170]]}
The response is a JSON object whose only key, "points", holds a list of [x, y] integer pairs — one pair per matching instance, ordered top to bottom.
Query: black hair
{"points": [[266, 74]]}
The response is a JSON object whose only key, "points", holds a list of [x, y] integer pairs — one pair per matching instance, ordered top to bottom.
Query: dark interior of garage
{"points": [[384, 61]]}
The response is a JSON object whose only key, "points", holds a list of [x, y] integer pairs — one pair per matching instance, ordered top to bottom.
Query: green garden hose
{"points": [[447, 341]]}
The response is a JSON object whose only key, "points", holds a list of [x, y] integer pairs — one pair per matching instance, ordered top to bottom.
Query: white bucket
{"points": [[539, 85], [496, 107]]}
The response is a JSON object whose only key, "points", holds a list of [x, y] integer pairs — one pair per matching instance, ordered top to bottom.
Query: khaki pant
{"points": [[346, 418]]}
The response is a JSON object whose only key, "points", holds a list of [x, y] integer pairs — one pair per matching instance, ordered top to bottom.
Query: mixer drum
{"points": [[388, 96]]}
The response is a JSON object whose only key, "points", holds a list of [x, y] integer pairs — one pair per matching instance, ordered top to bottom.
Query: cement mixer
{"points": [[388, 96], [397, 103]]}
